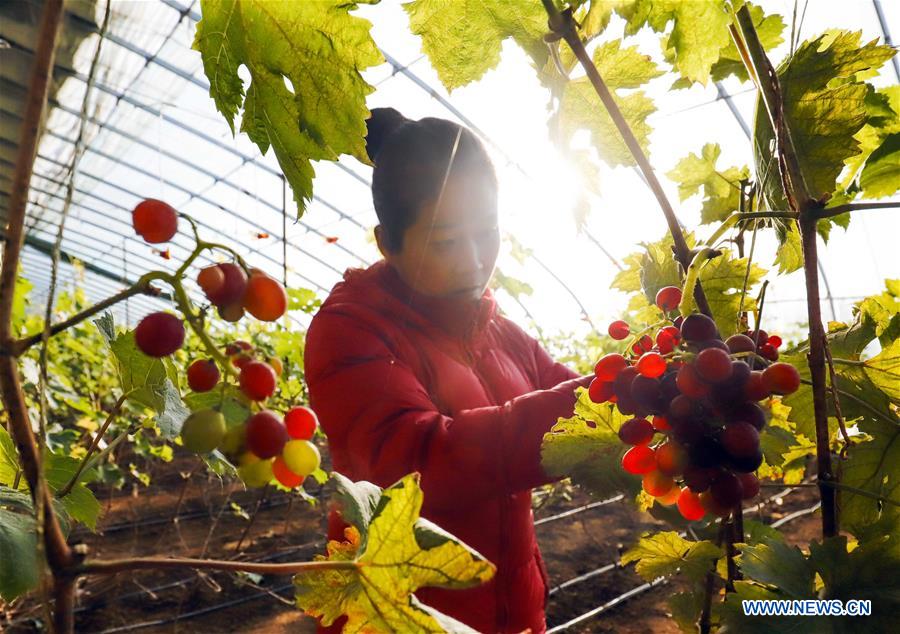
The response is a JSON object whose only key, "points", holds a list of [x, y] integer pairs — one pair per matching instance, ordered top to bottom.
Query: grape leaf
{"points": [[769, 28], [699, 31], [463, 39], [316, 47], [824, 106], [581, 108], [883, 110], [881, 175], [721, 189], [790, 252], [20, 302], [883, 313], [884, 371], [147, 381], [587, 448], [9, 459], [873, 466], [80, 503], [18, 553], [397, 553], [667, 553], [778, 564]]}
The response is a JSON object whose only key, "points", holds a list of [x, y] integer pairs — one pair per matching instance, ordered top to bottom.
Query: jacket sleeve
{"points": [[375, 410]]}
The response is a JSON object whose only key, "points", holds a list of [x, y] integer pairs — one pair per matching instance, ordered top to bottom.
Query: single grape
{"points": [[154, 220], [211, 279], [233, 288], [265, 297], [668, 298], [232, 313], [698, 327], [618, 330], [159, 334], [667, 338], [774, 341], [740, 343], [644, 344], [768, 351], [651, 364], [276, 365], [713, 365], [609, 366], [202, 375], [781, 378], [258, 380], [622, 382], [689, 382], [668, 385], [755, 389], [600, 391], [647, 394], [683, 408], [748, 412], [301, 422], [660, 423], [203, 431], [636, 431], [689, 431], [266, 434], [740, 440], [235, 441], [301, 457], [639, 459], [671, 459], [746, 464], [256, 473], [284, 475], [699, 478], [657, 484], [749, 485], [726, 490], [669, 498], [689, 505], [711, 506]]}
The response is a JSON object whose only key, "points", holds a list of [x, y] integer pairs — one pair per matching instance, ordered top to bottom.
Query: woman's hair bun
{"points": [[380, 125]]}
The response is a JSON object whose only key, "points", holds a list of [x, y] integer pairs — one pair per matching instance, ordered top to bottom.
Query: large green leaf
{"points": [[698, 35], [463, 39], [320, 49], [824, 107], [581, 108], [883, 110], [881, 175], [721, 189], [884, 371], [587, 448], [872, 466], [80, 503], [401, 553], [664, 554]]}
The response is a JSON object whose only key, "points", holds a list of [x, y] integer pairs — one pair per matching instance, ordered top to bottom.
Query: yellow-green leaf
{"points": [[721, 189], [884, 371], [399, 553], [668, 553]]}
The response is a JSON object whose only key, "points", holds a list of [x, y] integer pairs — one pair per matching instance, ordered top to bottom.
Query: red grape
{"points": [[154, 220], [210, 279], [233, 288], [265, 297], [668, 298], [698, 327], [618, 330], [159, 334], [667, 339], [774, 341], [740, 343], [644, 344], [768, 351], [651, 364], [713, 365], [609, 366], [202, 375], [781, 378], [258, 381], [689, 382], [755, 389], [600, 391], [647, 394], [301, 422], [660, 423], [636, 431], [266, 434], [740, 440], [670, 458], [639, 459], [284, 475], [698, 478], [657, 484], [749, 485], [726, 489], [689, 505], [710, 505]]}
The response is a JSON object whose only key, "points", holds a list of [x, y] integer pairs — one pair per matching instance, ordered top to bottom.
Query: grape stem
{"points": [[563, 25], [802, 201], [829, 212], [739, 216], [691, 280]]}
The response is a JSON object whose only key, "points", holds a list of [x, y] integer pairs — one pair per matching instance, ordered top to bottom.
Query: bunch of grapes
{"points": [[695, 422], [264, 446]]}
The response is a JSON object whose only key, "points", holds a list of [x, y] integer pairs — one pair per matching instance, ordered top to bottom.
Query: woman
{"points": [[411, 368]]}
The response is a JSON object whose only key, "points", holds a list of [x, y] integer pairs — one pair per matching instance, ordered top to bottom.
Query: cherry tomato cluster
{"points": [[227, 286], [694, 431]]}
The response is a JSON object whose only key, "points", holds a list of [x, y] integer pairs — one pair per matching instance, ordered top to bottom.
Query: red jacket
{"points": [[401, 383]]}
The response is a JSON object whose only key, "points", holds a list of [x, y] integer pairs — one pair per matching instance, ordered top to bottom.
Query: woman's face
{"points": [[452, 248]]}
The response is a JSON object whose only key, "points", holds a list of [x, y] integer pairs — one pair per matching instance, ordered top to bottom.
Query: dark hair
{"points": [[410, 160]]}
